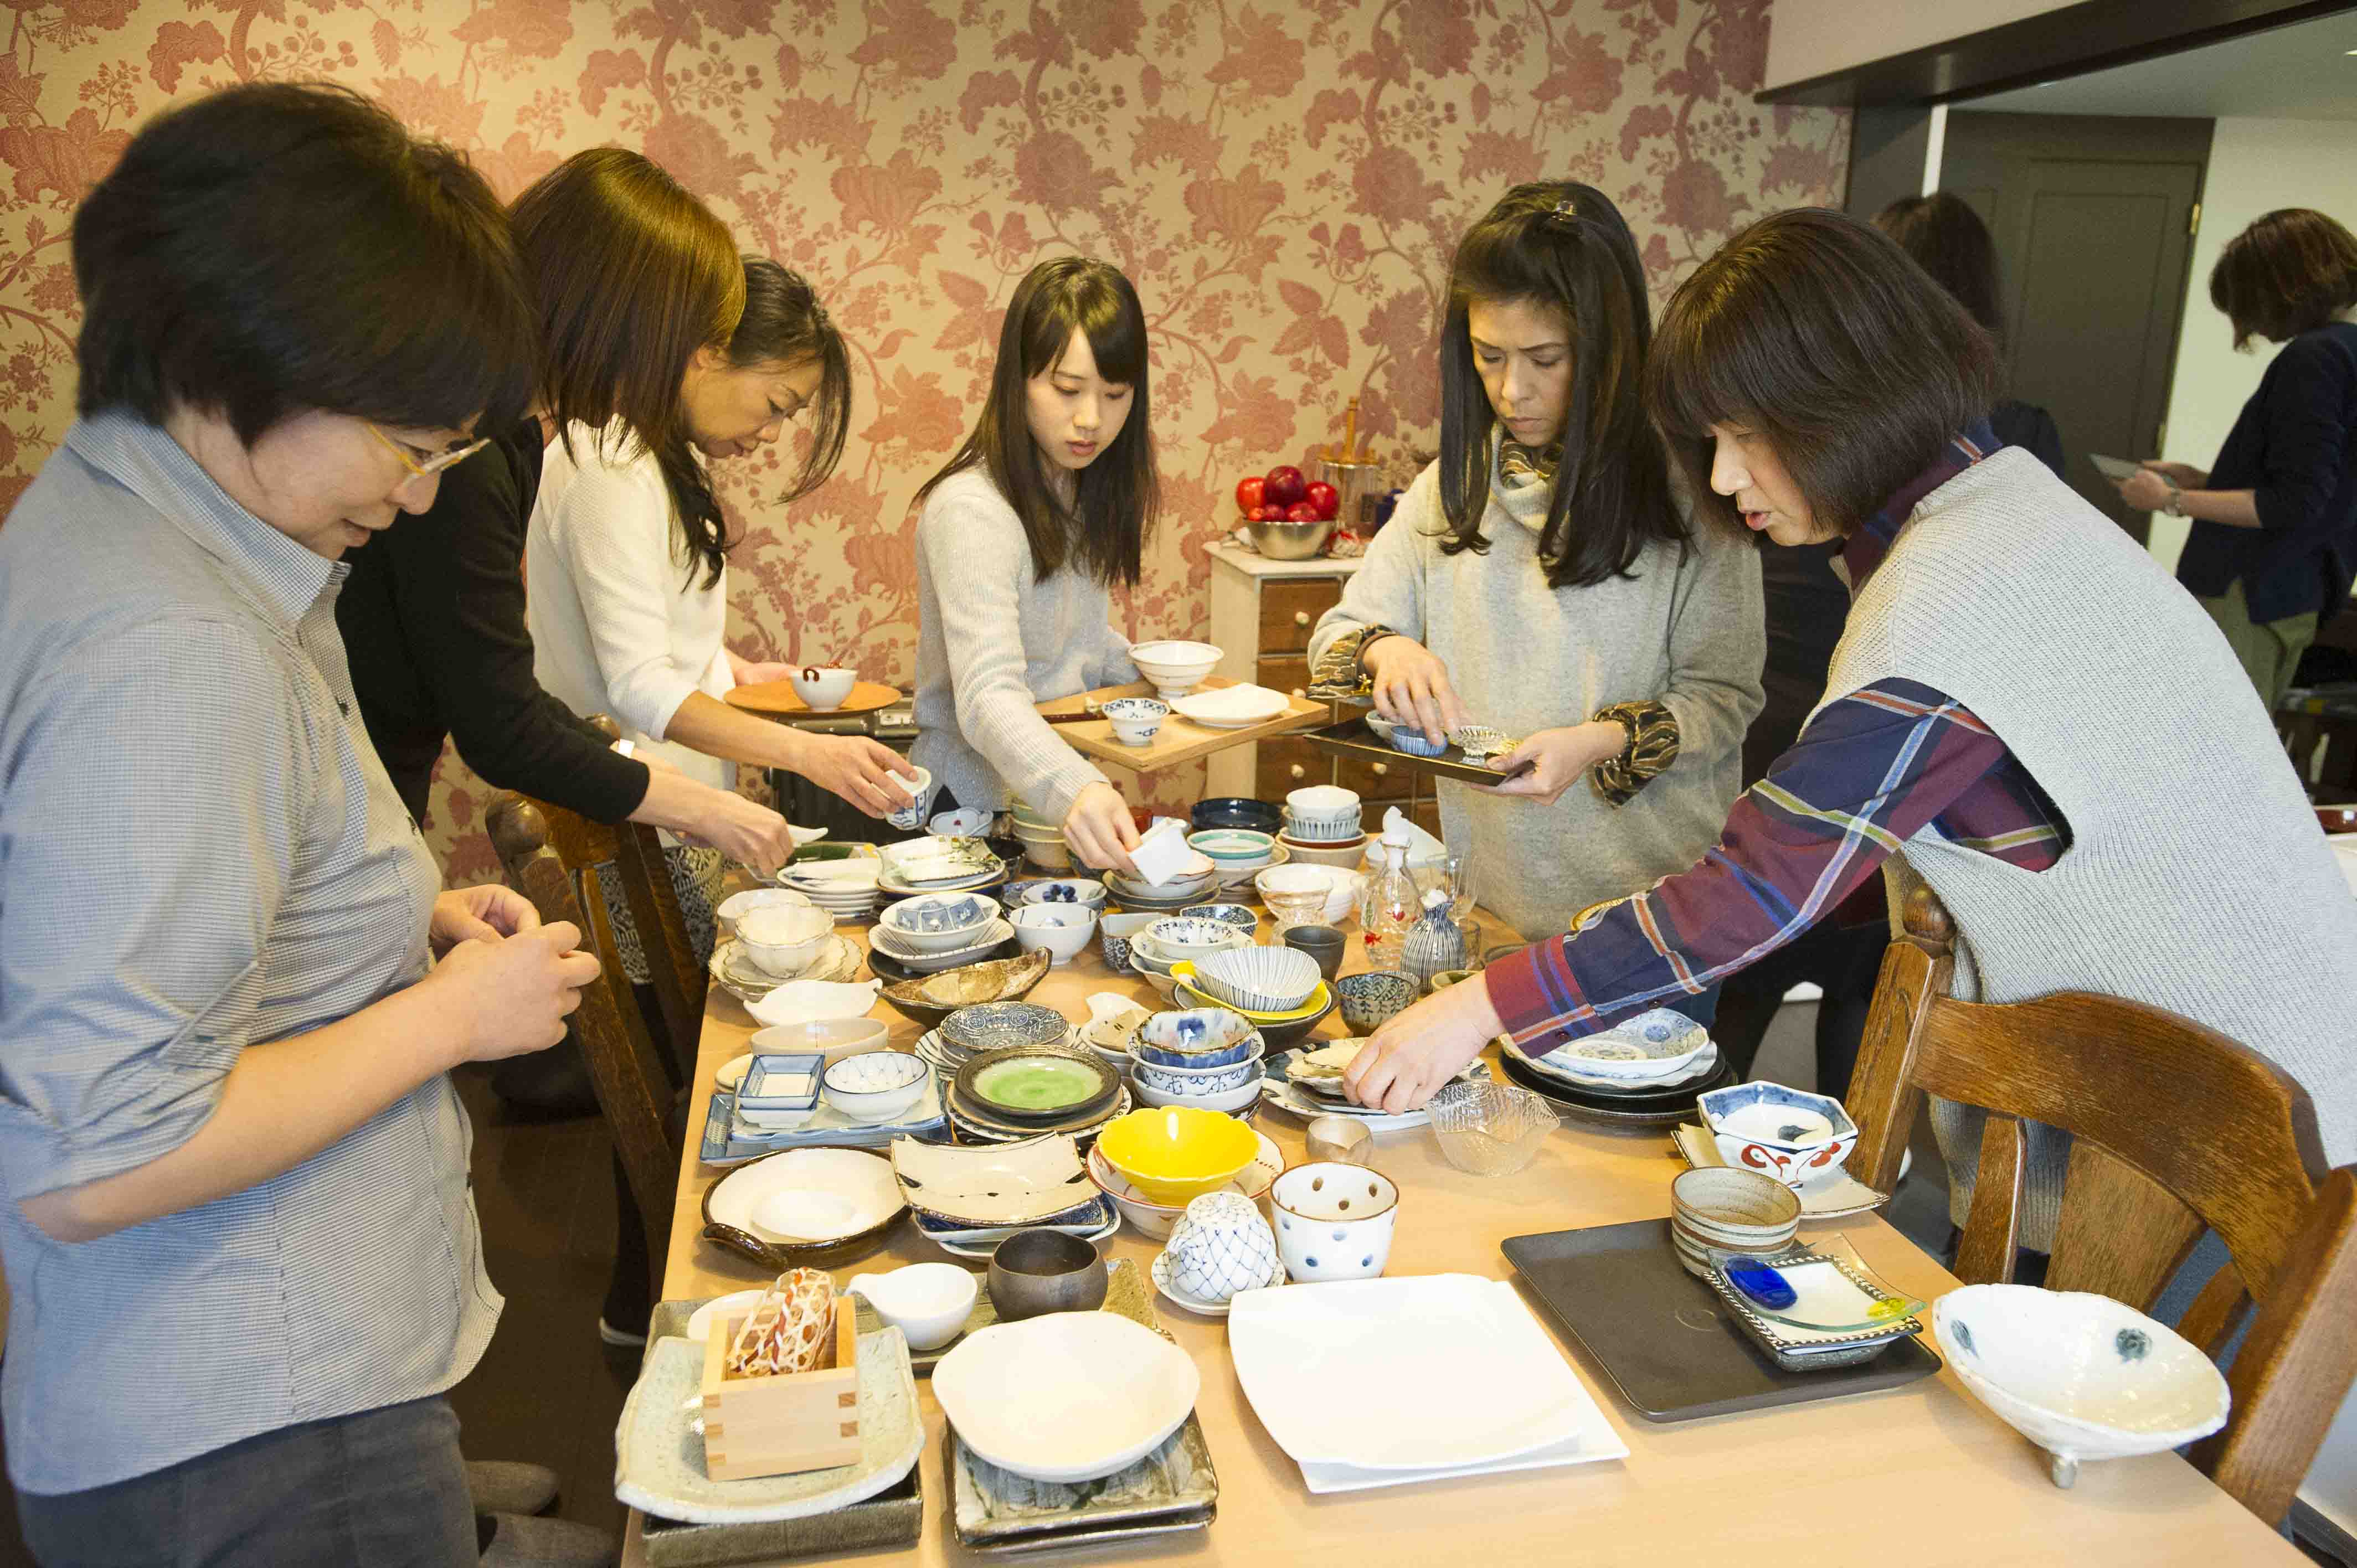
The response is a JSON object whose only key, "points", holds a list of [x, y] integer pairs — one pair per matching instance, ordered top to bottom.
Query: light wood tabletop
{"points": [[1179, 739], [1917, 1476]]}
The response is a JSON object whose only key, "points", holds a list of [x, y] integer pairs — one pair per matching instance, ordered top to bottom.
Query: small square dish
{"points": [[1830, 1322]]}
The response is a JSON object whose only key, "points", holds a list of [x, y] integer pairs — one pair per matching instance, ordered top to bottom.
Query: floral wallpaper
{"points": [[1282, 178]]}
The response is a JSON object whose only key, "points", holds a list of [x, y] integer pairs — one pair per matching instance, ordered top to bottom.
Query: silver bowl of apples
{"points": [[1290, 541]]}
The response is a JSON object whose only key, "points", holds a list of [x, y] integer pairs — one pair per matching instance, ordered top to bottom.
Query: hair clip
{"points": [[1564, 213]]}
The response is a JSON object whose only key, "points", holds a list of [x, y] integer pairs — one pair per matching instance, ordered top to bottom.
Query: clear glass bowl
{"points": [[1490, 1129]]}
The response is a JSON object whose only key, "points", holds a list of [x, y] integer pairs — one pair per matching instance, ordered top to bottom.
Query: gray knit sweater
{"points": [[993, 642], [1526, 657], [2197, 879]]}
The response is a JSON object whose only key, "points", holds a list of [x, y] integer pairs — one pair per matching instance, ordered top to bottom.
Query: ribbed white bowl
{"points": [[1259, 979]]}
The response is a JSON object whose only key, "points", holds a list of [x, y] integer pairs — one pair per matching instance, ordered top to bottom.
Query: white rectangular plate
{"points": [[1432, 1373], [1597, 1440]]}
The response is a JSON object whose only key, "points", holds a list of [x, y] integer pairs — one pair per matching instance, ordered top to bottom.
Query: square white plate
{"points": [[1005, 1184], [1430, 1372], [1596, 1441]]}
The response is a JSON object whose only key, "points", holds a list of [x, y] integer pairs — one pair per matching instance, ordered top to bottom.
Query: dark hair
{"points": [[1947, 239], [1562, 246], [277, 247], [2290, 271], [632, 275], [1816, 331], [1103, 531]]}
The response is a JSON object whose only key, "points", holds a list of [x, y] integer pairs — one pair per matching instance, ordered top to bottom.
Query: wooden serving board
{"points": [[775, 699], [1178, 740]]}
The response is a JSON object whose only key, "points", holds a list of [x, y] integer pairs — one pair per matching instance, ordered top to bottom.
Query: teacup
{"points": [[824, 688], [1135, 720], [914, 813], [1324, 943], [1334, 1221], [1220, 1246], [1036, 1272], [928, 1303]]}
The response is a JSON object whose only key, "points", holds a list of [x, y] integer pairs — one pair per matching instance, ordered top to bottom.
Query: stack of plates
{"points": [[940, 866], [845, 888], [1176, 894], [914, 960], [738, 975], [1647, 1073], [1279, 1090], [975, 1122], [1091, 1221]]}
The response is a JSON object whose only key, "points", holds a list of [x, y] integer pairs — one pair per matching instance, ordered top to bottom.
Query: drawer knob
{"points": [[1301, 617], [1301, 691], [1380, 769], [1299, 771]]}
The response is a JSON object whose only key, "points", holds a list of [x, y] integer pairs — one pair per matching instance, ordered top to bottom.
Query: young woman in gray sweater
{"points": [[1023, 535], [1541, 579]]}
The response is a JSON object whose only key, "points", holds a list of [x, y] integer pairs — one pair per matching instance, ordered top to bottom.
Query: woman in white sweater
{"points": [[1024, 534], [627, 558], [1540, 578]]}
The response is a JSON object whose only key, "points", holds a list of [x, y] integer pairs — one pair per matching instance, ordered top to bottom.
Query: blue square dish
{"points": [[782, 1080]]}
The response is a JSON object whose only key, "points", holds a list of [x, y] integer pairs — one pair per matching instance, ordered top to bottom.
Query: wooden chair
{"points": [[678, 976], [2128, 1081]]}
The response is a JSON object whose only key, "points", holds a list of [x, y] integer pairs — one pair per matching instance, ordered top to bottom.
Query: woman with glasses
{"points": [[244, 1258]]}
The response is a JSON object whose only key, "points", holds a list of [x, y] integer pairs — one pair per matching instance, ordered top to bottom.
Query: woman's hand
{"points": [[2187, 476], [2146, 490], [749, 673], [1412, 685], [1557, 759], [866, 773], [1100, 830], [745, 832], [473, 914], [505, 996], [1404, 1063]]}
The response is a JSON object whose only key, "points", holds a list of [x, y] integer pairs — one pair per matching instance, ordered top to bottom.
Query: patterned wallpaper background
{"points": [[1282, 180]]}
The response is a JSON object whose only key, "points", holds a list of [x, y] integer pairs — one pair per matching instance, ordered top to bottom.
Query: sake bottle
{"points": [[1391, 903]]}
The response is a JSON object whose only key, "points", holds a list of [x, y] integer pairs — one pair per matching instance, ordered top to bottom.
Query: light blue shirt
{"points": [[200, 852]]}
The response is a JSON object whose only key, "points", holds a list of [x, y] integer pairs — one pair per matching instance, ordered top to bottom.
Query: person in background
{"points": [[1023, 535], [2273, 545], [628, 558], [1542, 577], [1990, 727], [1842, 955], [232, 987]]}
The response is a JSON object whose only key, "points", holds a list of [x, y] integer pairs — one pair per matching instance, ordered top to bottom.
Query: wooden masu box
{"points": [[780, 1426]]}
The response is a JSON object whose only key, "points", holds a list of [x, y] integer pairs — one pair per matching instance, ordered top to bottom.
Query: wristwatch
{"points": [[2175, 504]]}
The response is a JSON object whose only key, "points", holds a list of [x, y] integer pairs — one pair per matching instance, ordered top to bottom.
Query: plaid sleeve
{"points": [[1867, 772]]}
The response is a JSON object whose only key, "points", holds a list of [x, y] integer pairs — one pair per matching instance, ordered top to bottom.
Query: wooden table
{"points": [[1179, 739], [1916, 1477]]}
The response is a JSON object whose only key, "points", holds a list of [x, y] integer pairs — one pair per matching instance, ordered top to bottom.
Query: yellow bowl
{"points": [[1184, 973], [1174, 1154]]}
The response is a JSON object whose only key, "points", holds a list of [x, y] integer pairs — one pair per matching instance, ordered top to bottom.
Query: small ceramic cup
{"points": [[1135, 720], [914, 813], [1324, 943], [1370, 998], [1338, 1140], [1334, 1221], [1220, 1246], [1036, 1272], [928, 1303]]}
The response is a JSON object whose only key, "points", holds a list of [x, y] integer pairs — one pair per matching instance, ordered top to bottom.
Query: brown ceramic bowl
{"points": [[1036, 1272]]}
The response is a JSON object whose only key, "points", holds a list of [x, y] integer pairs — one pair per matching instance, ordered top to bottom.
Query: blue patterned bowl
{"points": [[1415, 742], [1243, 917], [1369, 999], [993, 1025], [1199, 1037]]}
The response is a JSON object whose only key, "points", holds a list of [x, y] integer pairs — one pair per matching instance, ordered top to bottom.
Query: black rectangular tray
{"points": [[1352, 738], [1665, 1339]]}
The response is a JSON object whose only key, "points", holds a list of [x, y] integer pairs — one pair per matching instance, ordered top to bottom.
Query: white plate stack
{"points": [[843, 889]]}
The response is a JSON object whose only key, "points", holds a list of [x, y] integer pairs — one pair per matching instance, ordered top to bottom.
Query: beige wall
{"points": [[1810, 38], [2256, 166], [1284, 183]]}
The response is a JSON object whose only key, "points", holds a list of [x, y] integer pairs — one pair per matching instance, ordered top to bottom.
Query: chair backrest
{"points": [[678, 976], [634, 1091], [2175, 1128]]}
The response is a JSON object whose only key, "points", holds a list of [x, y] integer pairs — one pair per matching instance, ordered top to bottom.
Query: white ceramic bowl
{"points": [[1175, 668], [824, 688], [1135, 720], [965, 822], [1068, 892], [733, 908], [902, 917], [1062, 929], [1191, 938], [781, 939], [978, 946], [1258, 979], [833, 1038], [874, 1086], [1230, 1101], [928, 1303], [2079, 1375], [1070, 1396]]}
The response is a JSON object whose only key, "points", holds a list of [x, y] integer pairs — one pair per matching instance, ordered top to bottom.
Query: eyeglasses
{"points": [[433, 465]]}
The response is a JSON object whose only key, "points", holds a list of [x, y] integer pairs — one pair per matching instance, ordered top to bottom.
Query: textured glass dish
{"points": [[1490, 1129]]}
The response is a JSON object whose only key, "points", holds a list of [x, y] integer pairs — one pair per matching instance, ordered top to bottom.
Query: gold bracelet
{"points": [[1652, 747]]}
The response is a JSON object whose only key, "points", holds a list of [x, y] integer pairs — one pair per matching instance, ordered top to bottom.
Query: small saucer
{"points": [[731, 1072], [1170, 1291]]}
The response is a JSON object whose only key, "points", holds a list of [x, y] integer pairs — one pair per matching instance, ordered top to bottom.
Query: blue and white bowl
{"points": [[1135, 720], [1415, 742], [1234, 846], [1086, 891], [940, 914], [1243, 917], [1182, 939], [1259, 979], [1371, 998], [993, 1025], [1198, 1037], [1195, 1083], [875, 1086], [1781, 1132]]}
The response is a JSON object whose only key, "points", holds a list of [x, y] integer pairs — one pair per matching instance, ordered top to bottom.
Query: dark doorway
{"points": [[2093, 217]]}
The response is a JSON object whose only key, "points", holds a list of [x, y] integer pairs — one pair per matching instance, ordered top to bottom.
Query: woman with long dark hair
{"points": [[1024, 534], [2273, 547], [627, 556], [1541, 579]]}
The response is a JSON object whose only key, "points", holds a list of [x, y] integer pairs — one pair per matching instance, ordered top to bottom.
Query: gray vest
{"points": [[2197, 878]]}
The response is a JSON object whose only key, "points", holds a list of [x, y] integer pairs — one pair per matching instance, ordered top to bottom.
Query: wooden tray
{"points": [[776, 699], [1352, 738], [1178, 740]]}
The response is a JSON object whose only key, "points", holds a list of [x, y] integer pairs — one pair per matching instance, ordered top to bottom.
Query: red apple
{"points": [[1284, 486], [1248, 495], [1325, 498], [1302, 512], [1268, 514]]}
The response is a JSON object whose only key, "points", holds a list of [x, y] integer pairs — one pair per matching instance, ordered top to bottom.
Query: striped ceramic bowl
{"points": [[1258, 979]]}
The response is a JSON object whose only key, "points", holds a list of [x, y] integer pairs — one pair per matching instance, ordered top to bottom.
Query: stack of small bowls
{"points": [[1322, 826], [1043, 840], [1237, 854], [1208, 1057], [1717, 1213]]}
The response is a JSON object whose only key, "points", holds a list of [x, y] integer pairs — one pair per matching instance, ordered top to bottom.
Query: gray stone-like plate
{"points": [[1172, 1488]]}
